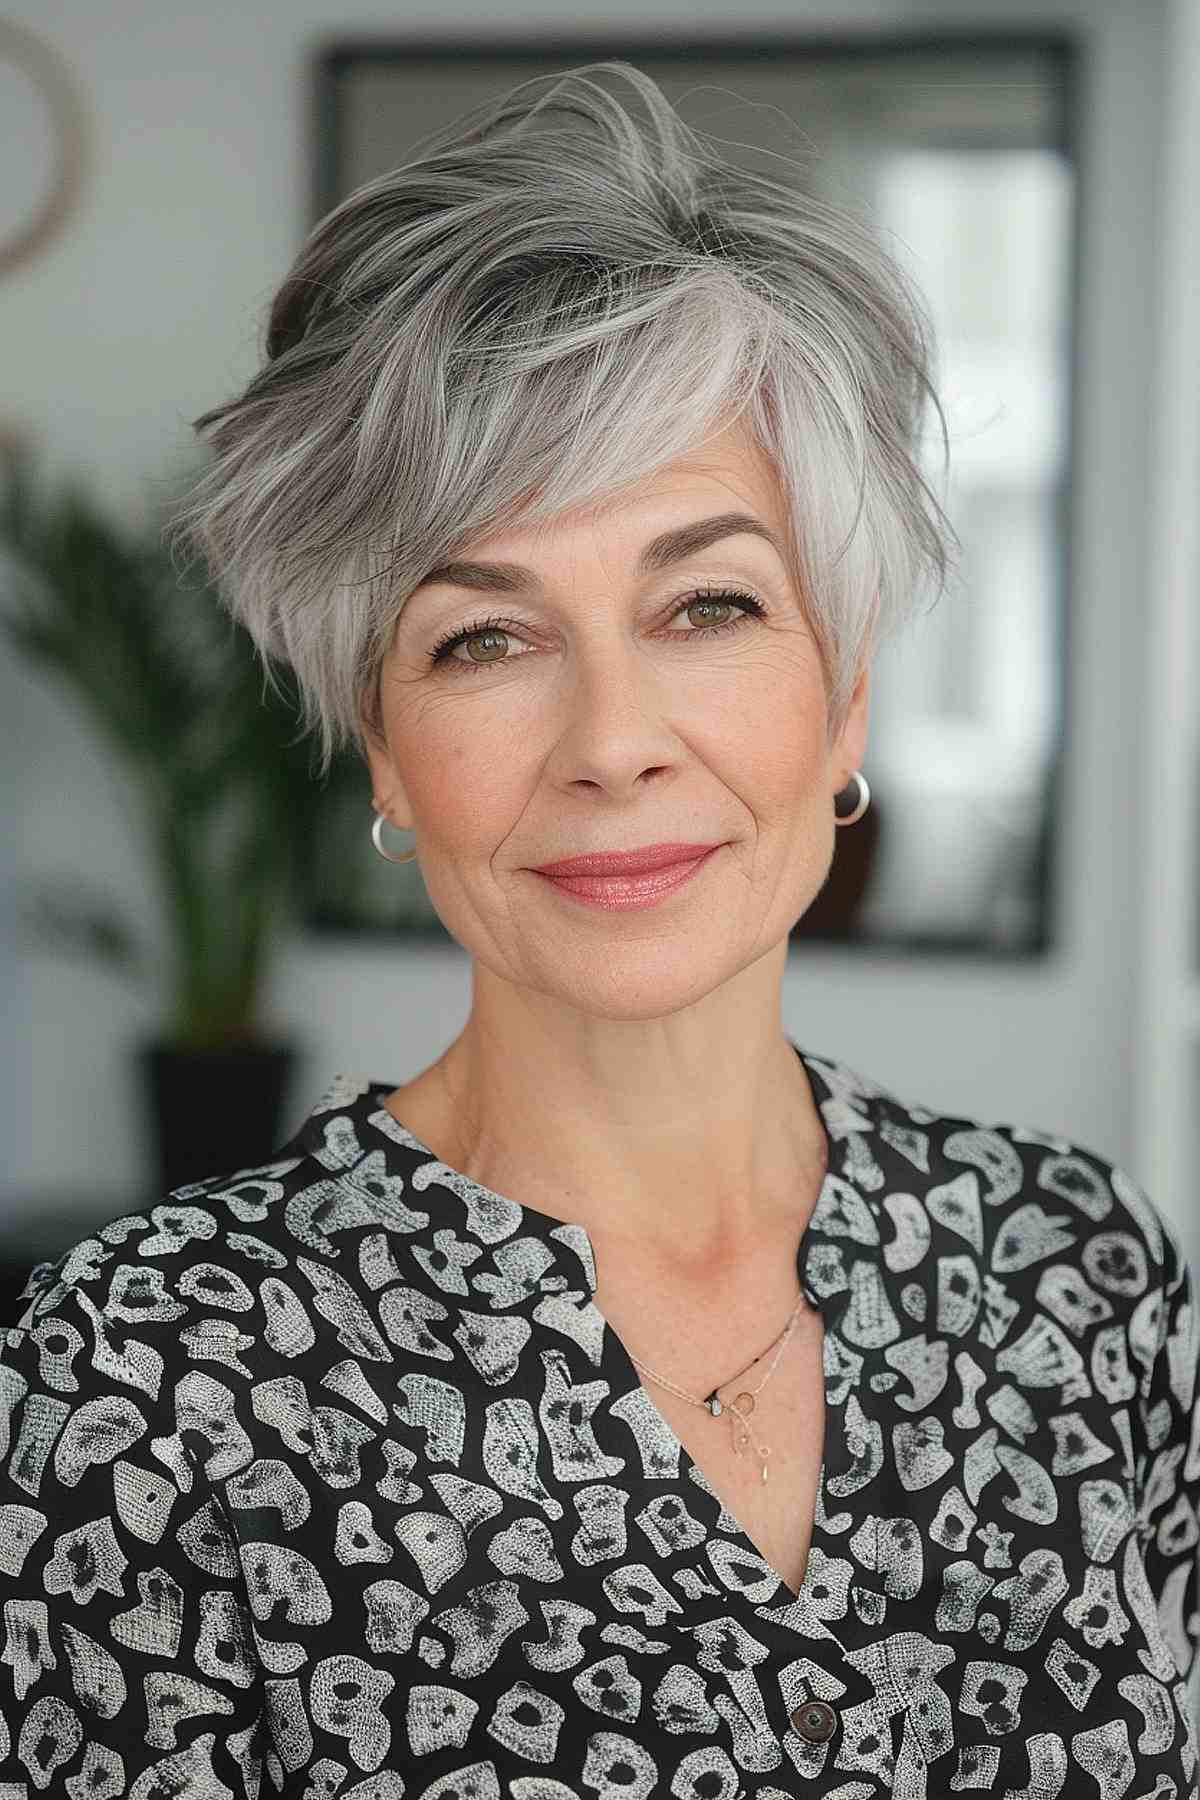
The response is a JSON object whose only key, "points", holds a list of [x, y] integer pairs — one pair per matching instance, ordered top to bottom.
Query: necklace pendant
{"points": [[745, 1403], [714, 1406]]}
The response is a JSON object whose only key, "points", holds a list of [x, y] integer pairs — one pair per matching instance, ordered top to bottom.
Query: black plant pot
{"points": [[213, 1112]]}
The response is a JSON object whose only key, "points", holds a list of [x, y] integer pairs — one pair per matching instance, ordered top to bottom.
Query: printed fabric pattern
{"points": [[328, 1478]]}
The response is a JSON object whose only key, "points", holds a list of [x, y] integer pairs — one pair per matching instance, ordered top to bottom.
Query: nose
{"points": [[617, 719]]}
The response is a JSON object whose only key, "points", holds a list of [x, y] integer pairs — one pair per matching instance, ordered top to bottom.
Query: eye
{"points": [[494, 631]]}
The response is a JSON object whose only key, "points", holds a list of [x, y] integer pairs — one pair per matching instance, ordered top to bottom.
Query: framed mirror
{"points": [[960, 149]]}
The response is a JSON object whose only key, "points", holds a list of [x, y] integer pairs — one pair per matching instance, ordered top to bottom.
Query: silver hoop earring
{"points": [[864, 800], [405, 855]]}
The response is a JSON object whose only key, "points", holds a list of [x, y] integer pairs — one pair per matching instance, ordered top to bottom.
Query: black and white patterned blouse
{"points": [[328, 1478]]}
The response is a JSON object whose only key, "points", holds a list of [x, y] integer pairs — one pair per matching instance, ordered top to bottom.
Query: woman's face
{"points": [[603, 716]]}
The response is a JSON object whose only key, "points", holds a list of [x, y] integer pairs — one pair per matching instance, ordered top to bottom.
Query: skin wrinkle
{"points": [[626, 1070]]}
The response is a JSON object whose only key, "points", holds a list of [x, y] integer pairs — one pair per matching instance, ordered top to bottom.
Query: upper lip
{"points": [[625, 862]]}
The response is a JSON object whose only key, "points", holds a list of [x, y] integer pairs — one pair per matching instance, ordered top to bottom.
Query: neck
{"points": [[685, 1138]]}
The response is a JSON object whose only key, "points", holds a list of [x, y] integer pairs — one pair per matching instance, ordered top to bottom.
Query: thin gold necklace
{"points": [[742, 1405]]}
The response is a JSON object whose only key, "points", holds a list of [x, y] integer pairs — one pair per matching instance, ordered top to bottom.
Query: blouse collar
{"points": [[351, 1133]]}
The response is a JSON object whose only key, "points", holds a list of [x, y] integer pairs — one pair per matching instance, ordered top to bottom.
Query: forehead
{"points": [[729, 472]]}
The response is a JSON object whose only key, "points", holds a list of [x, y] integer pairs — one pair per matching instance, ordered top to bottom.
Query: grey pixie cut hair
{"points": [[552, 299]]}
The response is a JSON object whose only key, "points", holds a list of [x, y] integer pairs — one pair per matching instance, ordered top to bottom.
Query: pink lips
{"points": [[625, 862], [633, 888]]}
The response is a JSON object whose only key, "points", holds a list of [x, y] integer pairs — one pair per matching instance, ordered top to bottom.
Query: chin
{"points": [[639, 982]]}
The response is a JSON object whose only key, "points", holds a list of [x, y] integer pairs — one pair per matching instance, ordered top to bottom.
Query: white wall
{"points": [[148, 309]]}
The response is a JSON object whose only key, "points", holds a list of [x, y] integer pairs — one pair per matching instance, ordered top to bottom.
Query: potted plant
{"points": [[224, 791]]}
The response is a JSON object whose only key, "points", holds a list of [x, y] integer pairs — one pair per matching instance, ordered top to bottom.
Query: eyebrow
{"points": [[660, 553]]}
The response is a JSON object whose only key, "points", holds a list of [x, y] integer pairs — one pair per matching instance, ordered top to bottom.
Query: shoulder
{"points": [[1029, 1197], [212, 1240], [244, 1273], [210, 1274], [154, 1327]]}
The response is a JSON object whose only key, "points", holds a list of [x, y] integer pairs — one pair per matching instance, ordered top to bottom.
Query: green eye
{"points": [[498, 629]]}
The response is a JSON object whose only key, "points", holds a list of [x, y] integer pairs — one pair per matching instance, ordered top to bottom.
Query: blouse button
{"points": [[816, 1721]]}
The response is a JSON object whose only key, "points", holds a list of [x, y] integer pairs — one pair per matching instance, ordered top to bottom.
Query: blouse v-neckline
{"points": [[844, 1210]]}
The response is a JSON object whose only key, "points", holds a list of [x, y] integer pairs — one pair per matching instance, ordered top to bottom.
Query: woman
{"points": [[632, 1402]]}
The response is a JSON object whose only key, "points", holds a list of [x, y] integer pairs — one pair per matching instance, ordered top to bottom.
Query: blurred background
{"points": [[195, 938]]}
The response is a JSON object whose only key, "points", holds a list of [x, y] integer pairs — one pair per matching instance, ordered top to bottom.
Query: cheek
{"points": [[775, 750], [462, 784]]}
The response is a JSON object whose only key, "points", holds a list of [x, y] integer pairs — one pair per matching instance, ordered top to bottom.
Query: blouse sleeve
{"points": [[1168, 1453], [127, 1661]]}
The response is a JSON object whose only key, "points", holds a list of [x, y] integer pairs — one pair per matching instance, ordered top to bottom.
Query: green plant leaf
{"points": [[175, 689]]}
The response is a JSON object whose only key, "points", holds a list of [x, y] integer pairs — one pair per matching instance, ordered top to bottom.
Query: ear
{"points": [[851, 743], [387, 790]]}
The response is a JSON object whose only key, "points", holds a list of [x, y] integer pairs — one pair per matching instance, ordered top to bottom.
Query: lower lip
{"points": [[613, 893]]}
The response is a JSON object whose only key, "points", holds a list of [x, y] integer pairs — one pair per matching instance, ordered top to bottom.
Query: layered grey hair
{"points": [[555, 296]]}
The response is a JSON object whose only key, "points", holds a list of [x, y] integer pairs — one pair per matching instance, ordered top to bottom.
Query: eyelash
{"points": [[750, 607]]}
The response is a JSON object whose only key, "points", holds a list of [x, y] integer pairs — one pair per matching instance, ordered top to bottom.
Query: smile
{"points": [[618, 892]]}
